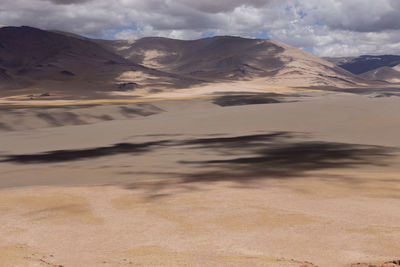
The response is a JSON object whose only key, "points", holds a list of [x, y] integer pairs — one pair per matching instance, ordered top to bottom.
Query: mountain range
{"points": [[34, 60]]}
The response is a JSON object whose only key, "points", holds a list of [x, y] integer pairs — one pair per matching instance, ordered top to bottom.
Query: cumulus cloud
{"points": [[329, 27], [344, 28]]}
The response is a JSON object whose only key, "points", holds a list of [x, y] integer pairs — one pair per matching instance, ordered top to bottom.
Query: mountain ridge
{"points": [[37, 60]]}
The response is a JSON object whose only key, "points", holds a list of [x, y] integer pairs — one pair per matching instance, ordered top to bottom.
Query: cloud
{"points": [[68, 2], [212, 6], [355, 15], [329, 27], [343, 28]]}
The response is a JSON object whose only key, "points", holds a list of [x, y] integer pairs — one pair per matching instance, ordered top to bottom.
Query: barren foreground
{"points": [[202, 182]]}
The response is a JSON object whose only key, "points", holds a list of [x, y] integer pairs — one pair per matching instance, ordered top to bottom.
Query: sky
{"points": [[323, 27]]}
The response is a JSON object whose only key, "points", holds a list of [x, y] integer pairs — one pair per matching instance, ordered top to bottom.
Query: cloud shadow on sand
{"points": [[240, 100], [81, 154], [279, 155], [247, 159], [286, 160]]}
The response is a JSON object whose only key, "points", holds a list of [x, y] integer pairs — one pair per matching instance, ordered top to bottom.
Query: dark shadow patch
{"points": [[111, 62], [127, 86], [358, 91], [45, 94], [387, 95], [240, 100], [143, 110], [135, 111], [104, 117], [71, 118], [49, 119], [61, 119], [5, 127], [156, 135], [244, 141], [81, 154], [272, 156], [241, 159], [286, 160]]}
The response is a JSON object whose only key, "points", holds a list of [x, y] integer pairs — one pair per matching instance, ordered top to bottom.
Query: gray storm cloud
{"points": [[68, 2], [212, 6], [356, 15], [329, 27]]}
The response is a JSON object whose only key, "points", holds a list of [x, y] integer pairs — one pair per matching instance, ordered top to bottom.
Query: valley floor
{"points": [[202, 182]]}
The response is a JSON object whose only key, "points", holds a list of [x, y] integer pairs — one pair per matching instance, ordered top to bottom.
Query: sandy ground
{"points": [[203, 185]]}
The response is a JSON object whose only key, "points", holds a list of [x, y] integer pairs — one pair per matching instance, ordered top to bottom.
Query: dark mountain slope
{"points": [[49, 60], [362, 64]]}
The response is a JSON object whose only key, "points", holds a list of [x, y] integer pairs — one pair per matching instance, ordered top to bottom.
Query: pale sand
{"points": [[140, 209], [267, 224]]}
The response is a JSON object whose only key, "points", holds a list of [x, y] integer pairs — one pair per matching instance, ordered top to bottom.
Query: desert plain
{"points": [[234, 180]]}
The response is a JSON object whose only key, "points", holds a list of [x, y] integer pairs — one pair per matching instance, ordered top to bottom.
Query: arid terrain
{"points": [[235, 152]]}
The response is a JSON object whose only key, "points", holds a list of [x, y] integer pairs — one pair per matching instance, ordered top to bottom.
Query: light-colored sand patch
{"points": [[127, 45], [151, 56], [397, 67], [394, 80], [254, 86], [5, 103], [58, 209], [266, 219], [210, 225], [377, 230], [21, 255], [153, 255], [156, 256], [159, 256]]}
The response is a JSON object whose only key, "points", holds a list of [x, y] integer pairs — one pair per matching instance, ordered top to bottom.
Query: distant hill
{"points": [[211, 58], [227, 58], [54, 61], [363, 64], [388, 74]]}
